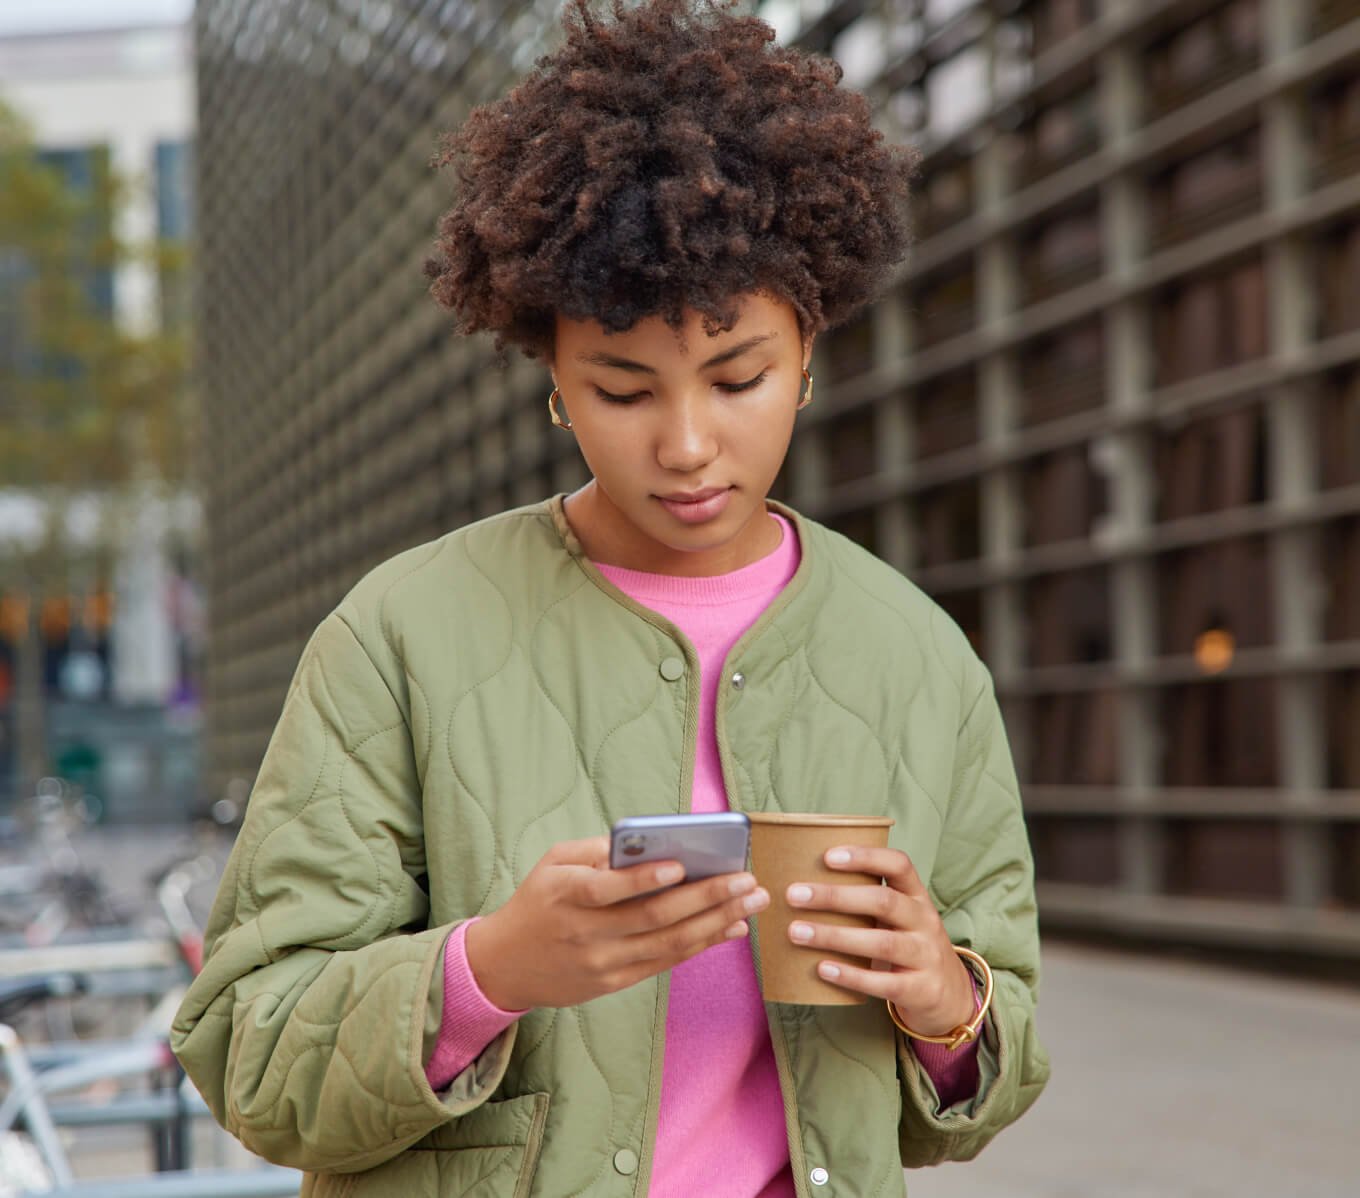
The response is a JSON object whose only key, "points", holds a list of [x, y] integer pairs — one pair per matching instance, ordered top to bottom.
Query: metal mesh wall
{"points": [[1109, 415], [344, 421]]}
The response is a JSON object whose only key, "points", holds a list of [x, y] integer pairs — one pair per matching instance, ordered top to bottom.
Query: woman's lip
{"points": [[693, 496], [709, 505]]}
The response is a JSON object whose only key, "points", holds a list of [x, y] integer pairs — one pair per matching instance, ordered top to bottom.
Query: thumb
{"points": [[593, 851]]}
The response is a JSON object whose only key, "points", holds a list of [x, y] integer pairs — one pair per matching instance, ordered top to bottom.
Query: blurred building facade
{"points": [[1108, 415], [345, 419], [118, 644]]}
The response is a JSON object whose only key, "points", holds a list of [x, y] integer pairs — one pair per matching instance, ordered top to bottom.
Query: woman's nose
{"points": [[688, 438]]}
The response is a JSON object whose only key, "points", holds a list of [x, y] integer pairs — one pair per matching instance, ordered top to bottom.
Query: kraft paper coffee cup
{"points": [[788, 847]]}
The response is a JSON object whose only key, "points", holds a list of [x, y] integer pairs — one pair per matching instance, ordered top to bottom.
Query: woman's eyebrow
{"points": [[599, 358]]}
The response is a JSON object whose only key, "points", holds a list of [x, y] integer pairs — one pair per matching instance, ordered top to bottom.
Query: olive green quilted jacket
{"points": [[476, 700]]}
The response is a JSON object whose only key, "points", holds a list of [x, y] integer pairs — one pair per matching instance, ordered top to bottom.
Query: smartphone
{"points": [[705, 844]]}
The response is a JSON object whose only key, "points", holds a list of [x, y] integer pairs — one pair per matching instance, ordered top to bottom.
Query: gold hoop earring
{"points": [[807, 395], [552, 410]]}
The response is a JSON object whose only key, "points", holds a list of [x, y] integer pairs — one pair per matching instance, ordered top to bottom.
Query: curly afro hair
{"points": [[673, 157]]}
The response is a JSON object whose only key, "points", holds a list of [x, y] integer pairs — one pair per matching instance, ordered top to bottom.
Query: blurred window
{"points": [[1057, 20], [1203, 55], [1337, 127], [1058, 135], [85, 170], [174, 173], [174, 189], [1205, 191], [944, 198], [1061, 253], [1340, 267], [945, 305], [1211, 321], [851, 351], [1062, 373], [945, 414], [1339, 436], [851, 447], [1212, 465], [1064, 496], [948, 521], [1341, 616], [1068, 617], [1221, 732], [1075, 739], [1344, 758], [1069, 849]]}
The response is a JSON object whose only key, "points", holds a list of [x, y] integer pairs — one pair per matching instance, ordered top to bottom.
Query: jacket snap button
{"points": [[672, 669], [738, 680], [625, 1161], [819, 1176]]}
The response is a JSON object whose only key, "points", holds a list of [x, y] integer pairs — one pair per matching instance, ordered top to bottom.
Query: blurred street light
{"points": [[1214, 650]]}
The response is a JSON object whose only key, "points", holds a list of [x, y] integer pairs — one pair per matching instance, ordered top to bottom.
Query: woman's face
{"points": [[684, 434]]}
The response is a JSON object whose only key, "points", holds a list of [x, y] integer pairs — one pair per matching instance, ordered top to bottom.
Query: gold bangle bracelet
{"points": [[965, 1033]]}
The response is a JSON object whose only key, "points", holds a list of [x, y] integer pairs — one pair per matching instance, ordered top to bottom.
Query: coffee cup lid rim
{"points": [[820, 819]]}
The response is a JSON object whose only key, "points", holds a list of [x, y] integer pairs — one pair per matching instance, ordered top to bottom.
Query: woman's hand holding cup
{"points": [[913, 960]]}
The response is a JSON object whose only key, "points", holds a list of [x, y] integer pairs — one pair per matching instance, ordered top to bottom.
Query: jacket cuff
{"points": [[469, 1020], [953, 1072], [478, 1081], [1007, 1084]]}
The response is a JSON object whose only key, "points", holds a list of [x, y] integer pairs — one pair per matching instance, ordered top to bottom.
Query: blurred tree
{"points": [[84, 403], [88, 408]]}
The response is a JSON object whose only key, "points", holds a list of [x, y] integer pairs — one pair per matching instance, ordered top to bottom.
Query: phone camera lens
{"points": [[633, 846]]}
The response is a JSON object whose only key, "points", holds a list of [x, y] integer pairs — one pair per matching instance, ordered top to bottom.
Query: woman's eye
{"points": [[748, 384], [634, 396], [610, 397]]}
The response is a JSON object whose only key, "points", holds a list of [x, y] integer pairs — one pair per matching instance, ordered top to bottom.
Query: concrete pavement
{"points": [[1175, 1080]]}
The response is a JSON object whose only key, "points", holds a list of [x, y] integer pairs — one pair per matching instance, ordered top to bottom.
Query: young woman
{"points": [[422, 976]]}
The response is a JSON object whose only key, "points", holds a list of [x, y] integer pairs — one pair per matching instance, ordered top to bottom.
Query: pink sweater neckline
{"points": [[713, 590]]}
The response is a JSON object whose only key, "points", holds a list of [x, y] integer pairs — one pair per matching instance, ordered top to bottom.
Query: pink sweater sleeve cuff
{"points": [[469, 1022], [954, 1073]]}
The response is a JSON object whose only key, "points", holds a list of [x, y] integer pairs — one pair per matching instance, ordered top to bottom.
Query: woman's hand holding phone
{"points": [[576, 929]]}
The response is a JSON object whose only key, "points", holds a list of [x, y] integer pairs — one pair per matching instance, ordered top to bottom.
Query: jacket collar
{"points": [[555, 508], [806, 587]]}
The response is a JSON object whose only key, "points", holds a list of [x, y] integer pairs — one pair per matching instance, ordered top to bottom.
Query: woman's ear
{"points": [[807, 350]]}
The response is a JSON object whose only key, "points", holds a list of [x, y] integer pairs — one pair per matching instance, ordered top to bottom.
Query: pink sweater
{"points": [[719, 1084]]}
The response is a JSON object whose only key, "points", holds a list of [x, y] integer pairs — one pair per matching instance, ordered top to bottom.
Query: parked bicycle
{"points": [[54, 891], [33, 1156]]}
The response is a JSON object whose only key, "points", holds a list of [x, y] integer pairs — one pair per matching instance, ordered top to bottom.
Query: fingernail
{"points": [[838, 857], [669, 873], [740, 885], [800, 894], [755, 902], [737, 929], [800, 931], [829, 971]]}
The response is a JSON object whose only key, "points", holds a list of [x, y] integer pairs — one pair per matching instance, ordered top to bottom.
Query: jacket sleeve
{"points": [[983, 885], [321, 992]]}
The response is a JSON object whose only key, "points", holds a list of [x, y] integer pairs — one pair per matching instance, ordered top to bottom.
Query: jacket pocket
{"points": [[492, 1150]]}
